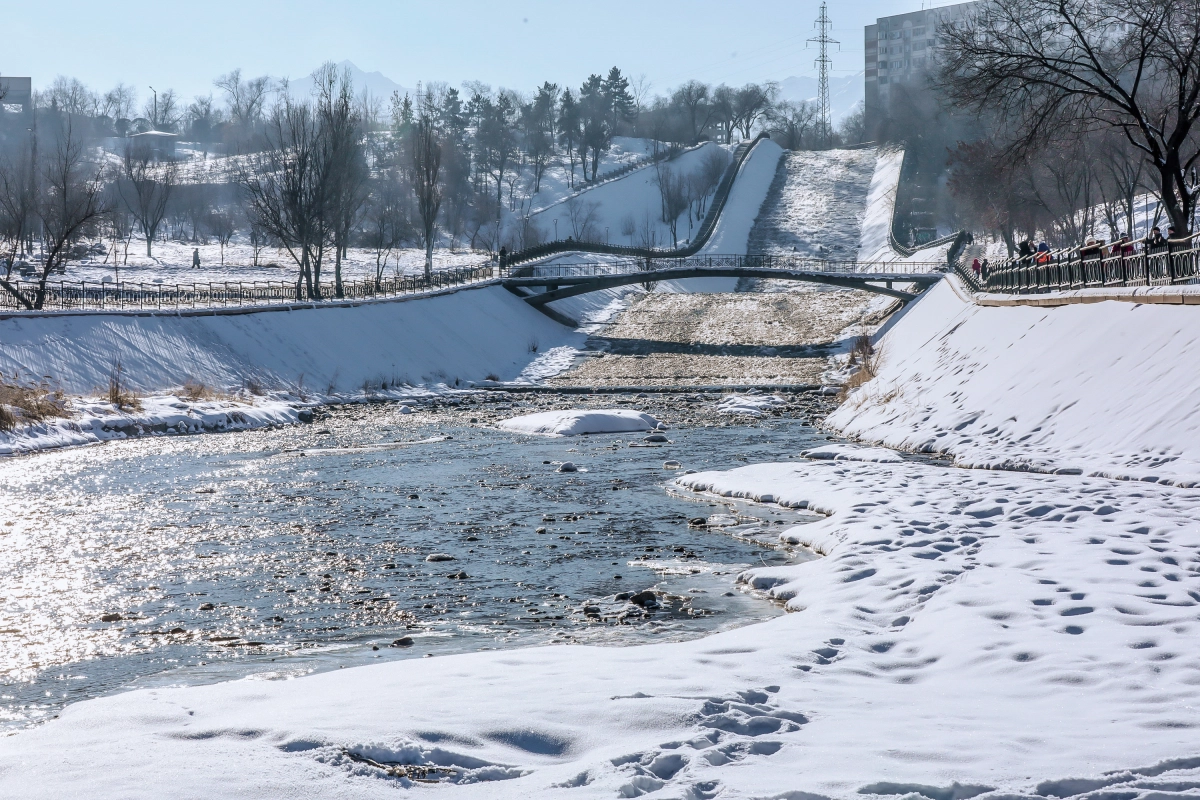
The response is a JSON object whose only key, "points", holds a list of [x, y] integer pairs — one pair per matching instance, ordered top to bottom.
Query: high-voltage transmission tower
{"points": [[824, 26]]}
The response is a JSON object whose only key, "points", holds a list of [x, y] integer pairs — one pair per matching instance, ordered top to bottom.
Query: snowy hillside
{"points": [[817, 205], [604, 212]]}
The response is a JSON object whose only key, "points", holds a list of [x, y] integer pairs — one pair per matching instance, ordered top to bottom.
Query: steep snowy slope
{"points": [[816, 205]]}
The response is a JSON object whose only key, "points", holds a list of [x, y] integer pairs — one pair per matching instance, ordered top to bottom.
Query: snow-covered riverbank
{"points": [[1101, 388], [1008, 633]]}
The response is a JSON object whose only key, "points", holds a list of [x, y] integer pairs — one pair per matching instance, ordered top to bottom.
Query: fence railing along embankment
{"points": [[1172, 263], [128, 296]]}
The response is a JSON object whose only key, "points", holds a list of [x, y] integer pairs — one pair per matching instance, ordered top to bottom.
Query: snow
{"points": [[634, 196], [817, 204], [732, 234], [874, 243], [452, 338], [1097, 388], [749, 405], [92, 421], [575, 422], [847, 452], [987, 629]]}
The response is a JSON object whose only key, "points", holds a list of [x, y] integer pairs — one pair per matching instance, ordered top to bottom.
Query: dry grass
{"points": [[867, 359], [196, 391], [119, 393], [28, 402]]}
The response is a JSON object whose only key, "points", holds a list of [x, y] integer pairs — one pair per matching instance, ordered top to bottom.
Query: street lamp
{"points": [[155, 120], [556, 229], [606, 235]]}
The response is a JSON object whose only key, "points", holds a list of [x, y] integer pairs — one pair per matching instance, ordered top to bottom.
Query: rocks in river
{"points": [[405, 409], [656, 438], [672, 465], [567, 466], [206, 490], [414, 497], [547, 517], [698, 522], [540, 530], [436, 557], [458, 576], [622, 596], [645, 599], [206, 606], [111, 618], [177, 631], [403, 641]]}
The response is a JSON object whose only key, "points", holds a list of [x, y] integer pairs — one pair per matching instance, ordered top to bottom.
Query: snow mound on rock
{"points": [[749, 405], [575, 422], [849, 452]]}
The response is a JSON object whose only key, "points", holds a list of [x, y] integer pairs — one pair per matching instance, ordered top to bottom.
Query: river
{"points": [[372, 534]]}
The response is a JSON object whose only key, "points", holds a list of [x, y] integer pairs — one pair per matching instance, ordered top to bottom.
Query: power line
{"points": [[823, 26]]}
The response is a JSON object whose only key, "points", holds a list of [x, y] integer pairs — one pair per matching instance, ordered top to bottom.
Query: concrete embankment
{"points": [[460, 336]]}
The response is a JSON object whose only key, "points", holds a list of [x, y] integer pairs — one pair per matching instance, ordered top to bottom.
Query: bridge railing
{"points": [[775, 262], [1171, 263], [126, 296]]}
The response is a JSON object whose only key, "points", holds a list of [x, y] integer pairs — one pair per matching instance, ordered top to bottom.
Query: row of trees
{"points": [[1084, 106], [322, 170]]}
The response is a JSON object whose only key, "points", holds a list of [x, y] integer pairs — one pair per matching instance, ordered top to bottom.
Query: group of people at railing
{"points": [[1122, 246]]}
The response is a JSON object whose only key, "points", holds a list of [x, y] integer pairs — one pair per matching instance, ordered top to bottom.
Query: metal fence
{"points": [[780, 262], [1174, 263], [96, 296]]}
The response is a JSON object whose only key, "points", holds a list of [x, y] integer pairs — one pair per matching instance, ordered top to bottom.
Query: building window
{"points": [[918, 31], [918, 46], [883, 79]]}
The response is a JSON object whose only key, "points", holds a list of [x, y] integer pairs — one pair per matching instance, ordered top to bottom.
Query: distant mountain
{"points": [[379, 85], [844, 93]]}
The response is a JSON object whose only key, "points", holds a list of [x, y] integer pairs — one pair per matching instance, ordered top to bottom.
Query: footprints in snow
{"points": [[733, 727]]}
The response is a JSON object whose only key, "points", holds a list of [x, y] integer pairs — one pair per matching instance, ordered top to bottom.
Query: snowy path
{"points": [[816, 205], [1010, 633]]}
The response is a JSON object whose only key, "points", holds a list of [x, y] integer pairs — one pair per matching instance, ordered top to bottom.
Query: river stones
{"points": [[567, 466], [434, 558]]}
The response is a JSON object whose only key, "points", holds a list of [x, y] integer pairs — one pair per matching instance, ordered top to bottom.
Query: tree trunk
{"points": [[428, 255]]}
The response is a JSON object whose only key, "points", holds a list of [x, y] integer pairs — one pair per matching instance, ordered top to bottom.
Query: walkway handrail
{"points": [[740, 154], [1171, 263], [569, 273], [124, 296]]}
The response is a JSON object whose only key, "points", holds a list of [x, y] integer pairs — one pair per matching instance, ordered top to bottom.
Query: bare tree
{"points": [[1123, 64], [246, 98], [751, 103], [790, 122], [343, 151], [427, 166], [146, 186], [286, 189], [672, 189], [69, 200], [18, 201], [582, 214], [386, 224], [222, 225], [629, 227]]}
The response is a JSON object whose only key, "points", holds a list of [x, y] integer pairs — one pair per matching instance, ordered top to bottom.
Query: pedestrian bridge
{"points": [[539, 284]]}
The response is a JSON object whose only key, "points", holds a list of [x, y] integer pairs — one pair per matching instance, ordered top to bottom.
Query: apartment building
{"points": [[899, 49]]}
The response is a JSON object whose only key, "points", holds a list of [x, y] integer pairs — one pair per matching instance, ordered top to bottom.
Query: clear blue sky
{"points": [[510, 43]]}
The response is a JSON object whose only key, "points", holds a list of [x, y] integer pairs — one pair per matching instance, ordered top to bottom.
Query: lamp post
{"points": [[155, 120], [556, 229], [606, 235]]}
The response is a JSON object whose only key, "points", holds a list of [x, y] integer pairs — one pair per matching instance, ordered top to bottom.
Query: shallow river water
{"points": [[370, 535]]}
